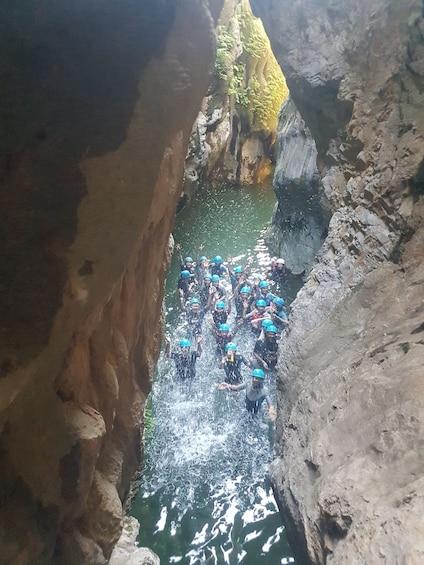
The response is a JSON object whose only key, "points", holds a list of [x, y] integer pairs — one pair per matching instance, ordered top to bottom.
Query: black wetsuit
{"points": [[241, 311], [219, 317], [195, 320], [221, 342], [268, 351], [185, 365], [233, 369]]}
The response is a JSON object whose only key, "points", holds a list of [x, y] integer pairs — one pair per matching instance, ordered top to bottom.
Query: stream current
{"points": [[205, 497]]}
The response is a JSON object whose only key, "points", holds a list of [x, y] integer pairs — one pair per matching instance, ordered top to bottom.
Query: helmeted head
{"points": [[203, 258], [217, 259], [188, 260], [280, 262], [238, 270], [185, 274], [207, 277], [257, 278], [215, 280], [264, 285], [245, 290], [279, 302], [195, 303], [260, 304], [220, 305], [266, 323], [224, 328], [271, 332], [185, 343], [231, 346], [258, 377]]}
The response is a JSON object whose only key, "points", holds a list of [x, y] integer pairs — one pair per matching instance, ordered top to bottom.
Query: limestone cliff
{"points": [[98, 101], [348, 472]]}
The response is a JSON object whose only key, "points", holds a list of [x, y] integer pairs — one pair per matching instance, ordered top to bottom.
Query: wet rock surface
{"points": [[300, 218], [348, 471]]}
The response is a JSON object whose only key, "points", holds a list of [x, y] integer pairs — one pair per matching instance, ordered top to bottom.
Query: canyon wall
{"points": [[98, 101], [233, 138], [300, 218], [348, 468]]}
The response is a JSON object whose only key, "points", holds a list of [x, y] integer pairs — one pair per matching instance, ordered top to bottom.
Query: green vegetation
{"points": [[246, 63]]}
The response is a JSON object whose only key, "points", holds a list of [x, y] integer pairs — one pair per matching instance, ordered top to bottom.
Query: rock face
{"points": [[98, 104], [233, 138], [300, 218], [348, 473]]}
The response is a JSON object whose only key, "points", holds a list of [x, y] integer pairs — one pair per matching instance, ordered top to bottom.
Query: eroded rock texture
{"points": [[98, 100], [300, 217], [349, 468]]}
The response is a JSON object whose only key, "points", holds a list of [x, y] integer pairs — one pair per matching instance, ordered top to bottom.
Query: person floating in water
{"points": [[186, 264], [202, 267], [217, 267], [278, 270], [185, 288], [264, 293], [243, 301], [220, 313], [195, 315], [256, 316], [278, 316], [222, 336], [266, 350], [185, 359], [231, 363], [256, 393]]}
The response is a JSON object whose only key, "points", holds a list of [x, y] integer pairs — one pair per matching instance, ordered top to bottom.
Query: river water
{"points": [[205, 496]]}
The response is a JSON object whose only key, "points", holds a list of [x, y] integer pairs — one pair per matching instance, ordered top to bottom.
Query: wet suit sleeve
{"points": [[241, 386]]}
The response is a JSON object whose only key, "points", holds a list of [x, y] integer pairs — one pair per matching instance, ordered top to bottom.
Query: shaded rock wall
{"points": [[97, 107], [300, 217], [348, 469]]}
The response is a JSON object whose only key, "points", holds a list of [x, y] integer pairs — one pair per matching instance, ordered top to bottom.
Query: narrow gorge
{"points": [[97, 114]]}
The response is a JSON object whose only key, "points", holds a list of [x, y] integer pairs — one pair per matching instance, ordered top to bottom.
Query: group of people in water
{"points": [[211, 288]]}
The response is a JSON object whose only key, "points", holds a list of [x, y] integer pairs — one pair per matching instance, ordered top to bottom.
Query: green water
{"points": [[205, 496]]}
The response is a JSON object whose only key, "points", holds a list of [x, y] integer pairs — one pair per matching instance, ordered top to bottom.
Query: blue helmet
{"points": [[202, 258], [217, 259], [188, 260], [238, 270], [185, 274], [207, 276], [257, 276], [215, 278], [264, 284], [245, 290], [194, 301], [279, 301], [261, 302], [220, 305], [266, 323], [224, 327], [271, 329], [185, 343], [231, 345], [258, 373]]}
